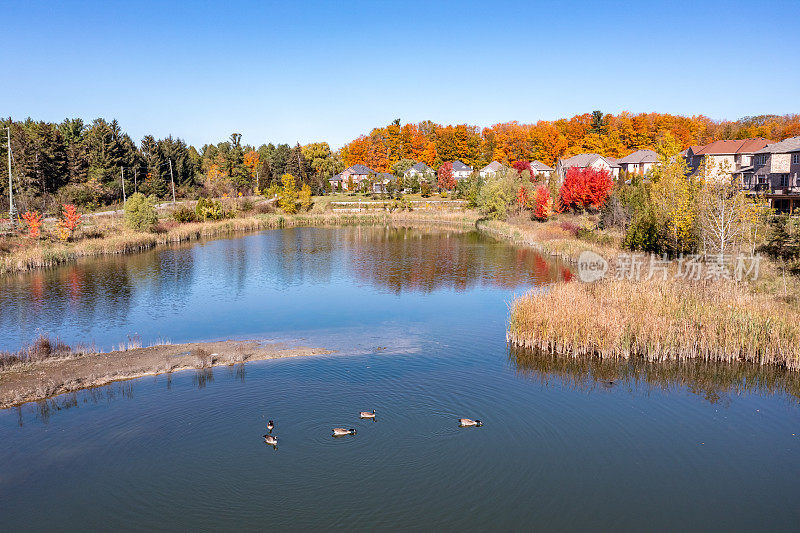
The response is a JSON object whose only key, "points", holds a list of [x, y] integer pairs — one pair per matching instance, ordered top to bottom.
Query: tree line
{"points": [[88, 164]]}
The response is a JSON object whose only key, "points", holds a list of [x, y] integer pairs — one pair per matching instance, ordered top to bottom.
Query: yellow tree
{"points": [[251, 161], [673, 196], [287, 199]]}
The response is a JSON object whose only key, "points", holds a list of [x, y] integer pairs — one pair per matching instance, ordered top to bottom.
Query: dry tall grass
{"points": [[118, 240], [659, 321]]}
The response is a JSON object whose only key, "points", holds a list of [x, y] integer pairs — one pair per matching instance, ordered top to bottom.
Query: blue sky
{"points": [[311, 71]]}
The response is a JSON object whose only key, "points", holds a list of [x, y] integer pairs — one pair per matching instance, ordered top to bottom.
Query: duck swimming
{"points": [[367, 414], [469, 422], [270, 426], [340, 432], [272, 440]]}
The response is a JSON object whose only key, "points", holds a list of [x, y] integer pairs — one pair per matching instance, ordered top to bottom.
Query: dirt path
{"points": [[43, 379]]}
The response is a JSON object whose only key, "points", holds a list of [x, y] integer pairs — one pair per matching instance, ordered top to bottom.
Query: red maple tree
{"points": [[521, 166], [446, 179], [585, 188], [542, 203]]}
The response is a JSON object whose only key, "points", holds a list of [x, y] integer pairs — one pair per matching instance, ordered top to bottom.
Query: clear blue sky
{"points": [[309, 71]]}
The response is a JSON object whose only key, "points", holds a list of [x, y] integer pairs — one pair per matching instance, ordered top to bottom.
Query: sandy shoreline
{"points": [[36, 381]]}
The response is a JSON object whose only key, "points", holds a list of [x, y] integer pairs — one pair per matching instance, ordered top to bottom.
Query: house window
{"points": [[795, 159], [784, 180]]}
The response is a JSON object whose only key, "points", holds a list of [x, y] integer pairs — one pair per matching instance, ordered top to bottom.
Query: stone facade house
{"points": [[734, 155], [419, 170], [776, 172]]}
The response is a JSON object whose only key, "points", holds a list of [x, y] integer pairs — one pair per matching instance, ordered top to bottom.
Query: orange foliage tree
{"points": [[585, 188], [34, 221], [69, 222]]}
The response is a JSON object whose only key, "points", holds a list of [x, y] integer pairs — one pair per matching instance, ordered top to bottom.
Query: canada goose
{"points": [[367, 414], [469, 422], [270, 426], [340, 432], [272, 440]]}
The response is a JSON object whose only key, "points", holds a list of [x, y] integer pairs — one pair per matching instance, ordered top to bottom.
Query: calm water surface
{"points": [[418, 319]]}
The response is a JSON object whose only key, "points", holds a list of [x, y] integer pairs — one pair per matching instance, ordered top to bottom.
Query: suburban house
{"points": [[736, 155], [587, 161], [639, 162], [491, 169], [418, 170], [541, 170], [461, 171], [357, 172], [776, 172], [381, 180]]}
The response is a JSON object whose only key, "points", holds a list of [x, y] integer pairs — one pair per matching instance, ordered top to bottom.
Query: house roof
{"points": [[792, 144], [739, 146], [640, 156], [585, 160], [538, 165], [458, 166], [494, 166], [421, 168], [359, 169]]}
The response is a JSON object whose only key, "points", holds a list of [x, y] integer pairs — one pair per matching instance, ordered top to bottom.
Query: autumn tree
{"points": [[522, 166], [445, 175], [585, 188], [305, 197], [287, 199], [542, 203], [33, 219], [69, 221]]}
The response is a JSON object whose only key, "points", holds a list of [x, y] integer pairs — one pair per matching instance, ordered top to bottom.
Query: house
{"points": [[735, 155], [587, 161], [639, 162], [491, 169], [418, 170], [541, 170], [461, 171], [357, 172], [776, 172], [381, 180]]}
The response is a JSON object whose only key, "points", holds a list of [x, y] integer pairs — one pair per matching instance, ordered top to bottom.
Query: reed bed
{"points": [[658, 321]]}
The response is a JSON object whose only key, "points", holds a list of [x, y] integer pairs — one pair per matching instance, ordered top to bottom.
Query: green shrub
{"points": [[140, 212], [184, 214]]}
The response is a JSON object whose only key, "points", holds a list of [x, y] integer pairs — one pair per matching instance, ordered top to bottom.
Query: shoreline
{"points": [[51, 255], [40, 380]]}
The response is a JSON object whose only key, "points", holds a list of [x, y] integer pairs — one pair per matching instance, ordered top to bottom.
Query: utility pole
{"points": [[135, 179], [172, 179], [124, 198], [12, 211]]}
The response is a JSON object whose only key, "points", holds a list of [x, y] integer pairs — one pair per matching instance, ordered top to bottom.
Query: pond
{"points": [[417, 319]]}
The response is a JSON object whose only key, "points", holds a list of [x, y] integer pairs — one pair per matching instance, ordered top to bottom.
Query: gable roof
{"points": [[792, 144], [739, 146], [640, 156], [585, 160], [538, 165], [458, 166], [494, 166], [358, 168], [422, 168]]}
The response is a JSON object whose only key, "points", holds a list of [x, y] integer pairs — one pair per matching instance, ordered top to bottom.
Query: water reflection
{"points": [[256, 284], [713, 381], [43, 410]]}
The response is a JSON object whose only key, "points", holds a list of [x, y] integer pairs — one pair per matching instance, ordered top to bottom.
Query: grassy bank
{"points": [[118, 240], [659, 321]]}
